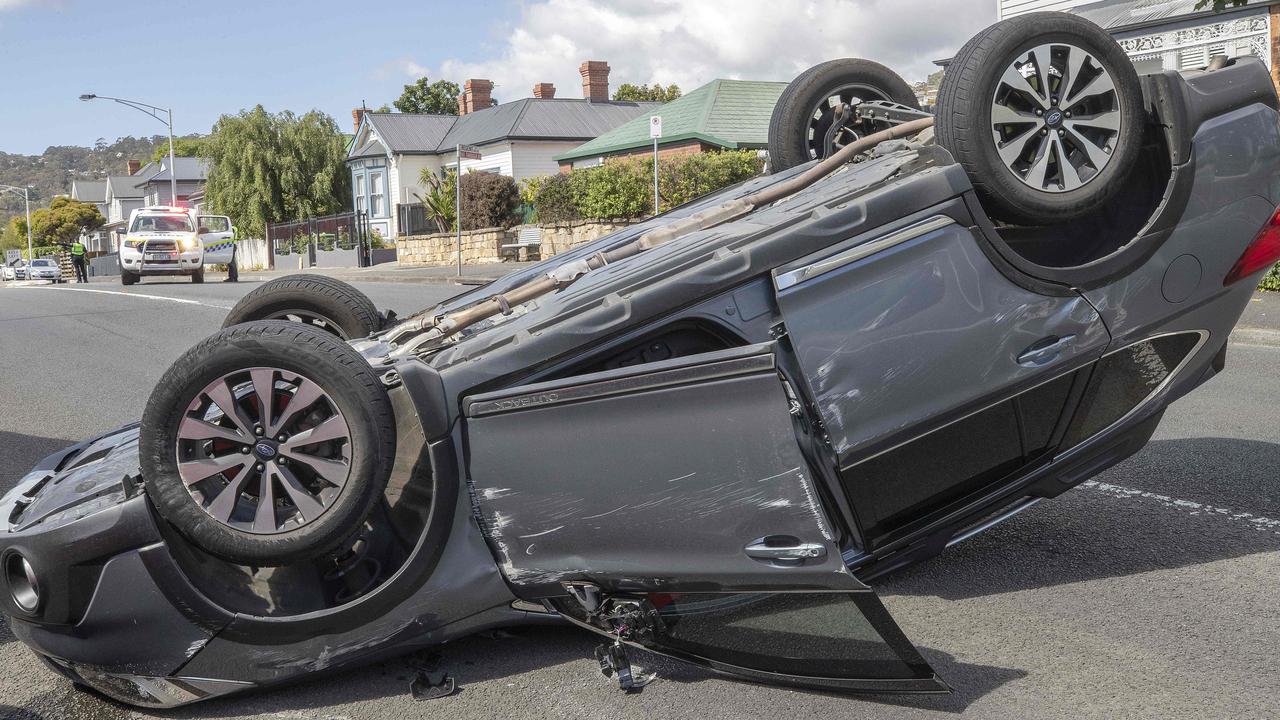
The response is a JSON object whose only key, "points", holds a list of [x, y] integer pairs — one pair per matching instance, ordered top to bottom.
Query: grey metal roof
{"points": [[1120, 14], [526, 119], [407, 133], [373, 148], [188, 169], [124, 186], [94, 191]]}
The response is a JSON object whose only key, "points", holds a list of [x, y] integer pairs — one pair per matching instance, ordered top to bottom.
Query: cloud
{"points": [[691, 43]]}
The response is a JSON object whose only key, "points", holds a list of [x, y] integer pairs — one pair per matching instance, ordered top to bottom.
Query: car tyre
{"points": [[1018, 131], [796, 135], [198, 276], [128, 278], [316, 300], [305, 517]]}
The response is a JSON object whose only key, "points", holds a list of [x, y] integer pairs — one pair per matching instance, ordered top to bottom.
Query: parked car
{"points": [[174, 241], [46, 269], [16, 270], [702, 434]]}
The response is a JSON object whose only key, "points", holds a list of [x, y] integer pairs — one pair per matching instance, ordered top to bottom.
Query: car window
{"points": [[161, 223], [214, 224], [42, 263]]}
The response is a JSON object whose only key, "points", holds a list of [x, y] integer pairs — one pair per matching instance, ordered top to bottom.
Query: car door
{"points": [[218, 237], [936, 378], [669, 505]]}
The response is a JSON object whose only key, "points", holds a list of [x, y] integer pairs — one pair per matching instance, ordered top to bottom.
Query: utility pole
{"points": [[655, 132], [26, 196]]}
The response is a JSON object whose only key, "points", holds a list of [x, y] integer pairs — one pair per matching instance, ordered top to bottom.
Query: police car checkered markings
{"points": [[184, 301]]}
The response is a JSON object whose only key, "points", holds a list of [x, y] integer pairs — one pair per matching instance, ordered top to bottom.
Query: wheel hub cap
{"points": [[1056, 117]]}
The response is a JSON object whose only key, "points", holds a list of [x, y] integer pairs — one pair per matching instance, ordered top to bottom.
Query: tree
{"points": [[657, 93], [433, 98], [182, 147], [271, 167], [63, 221], [15, 234]]}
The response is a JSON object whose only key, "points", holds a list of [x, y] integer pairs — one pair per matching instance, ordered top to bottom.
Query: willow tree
{"points": [[270, 167]]}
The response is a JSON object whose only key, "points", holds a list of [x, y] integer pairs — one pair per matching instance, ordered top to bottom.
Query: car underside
{"points": [[701, 435]]}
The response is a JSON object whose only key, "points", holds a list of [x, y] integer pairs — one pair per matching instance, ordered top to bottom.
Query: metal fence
{"points": [[413, 220], [341, 240]]}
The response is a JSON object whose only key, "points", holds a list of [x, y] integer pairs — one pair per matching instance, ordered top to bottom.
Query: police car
{"points": [[174, 241]]}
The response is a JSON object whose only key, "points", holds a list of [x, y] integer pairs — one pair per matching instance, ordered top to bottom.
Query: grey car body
{"points": [[707, 450]]}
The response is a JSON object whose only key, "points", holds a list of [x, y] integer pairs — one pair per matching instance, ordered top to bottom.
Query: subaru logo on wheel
{"points": [[265, 450]]}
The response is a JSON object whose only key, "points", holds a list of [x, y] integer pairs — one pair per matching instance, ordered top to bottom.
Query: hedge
{"points": [[623, 187]]}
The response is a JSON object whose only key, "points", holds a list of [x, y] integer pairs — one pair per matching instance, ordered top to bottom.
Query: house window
{"points": [[377, 195], [360, 196]]}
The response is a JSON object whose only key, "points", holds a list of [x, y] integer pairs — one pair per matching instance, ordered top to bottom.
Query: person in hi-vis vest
{"points": [[77, 261]]}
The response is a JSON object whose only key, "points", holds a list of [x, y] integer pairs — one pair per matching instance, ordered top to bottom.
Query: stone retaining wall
{"points": [[478, 246], [485, 246]]}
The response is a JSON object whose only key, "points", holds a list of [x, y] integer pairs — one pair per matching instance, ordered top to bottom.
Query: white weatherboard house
{"points": [[1174, 34], [519, 139]]}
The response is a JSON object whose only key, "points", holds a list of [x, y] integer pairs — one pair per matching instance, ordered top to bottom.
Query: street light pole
{"points": [[154, 112], [26, 196]]}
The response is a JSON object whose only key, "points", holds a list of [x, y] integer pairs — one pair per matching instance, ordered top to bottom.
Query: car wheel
{"points": [[807, 108], [1044, 112], [197, 276], [127, 278], [316, 300], [267, 443]]}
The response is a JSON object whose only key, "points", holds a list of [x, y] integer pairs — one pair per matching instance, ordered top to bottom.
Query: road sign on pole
{"points": [[655, 132], [470, 152], [11, 256]]}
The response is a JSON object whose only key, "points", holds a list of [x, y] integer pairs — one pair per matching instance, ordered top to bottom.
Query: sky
{"points": [[214, 57]]}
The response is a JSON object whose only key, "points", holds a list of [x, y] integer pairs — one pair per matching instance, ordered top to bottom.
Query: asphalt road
{"points": [[1150, 592]]}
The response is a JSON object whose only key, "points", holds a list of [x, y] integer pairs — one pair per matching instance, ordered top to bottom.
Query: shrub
{"points": [[688, 177], [623, 188], [617, 189], [439, 198], [553, 199], [489, 200], [1271, 281]]}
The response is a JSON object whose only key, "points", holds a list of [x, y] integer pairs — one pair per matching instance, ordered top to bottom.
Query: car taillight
{"points": [[1262, 253]]}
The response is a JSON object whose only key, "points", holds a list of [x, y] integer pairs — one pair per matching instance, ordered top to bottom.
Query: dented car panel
{"points": [[714, 493]]}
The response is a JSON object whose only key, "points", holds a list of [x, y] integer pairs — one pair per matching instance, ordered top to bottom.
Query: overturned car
{"points": [[700, 435]]}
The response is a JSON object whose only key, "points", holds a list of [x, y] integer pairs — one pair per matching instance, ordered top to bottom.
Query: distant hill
{"points": [[51, 173]]}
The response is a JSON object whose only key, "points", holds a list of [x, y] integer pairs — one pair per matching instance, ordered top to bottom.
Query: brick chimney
{"points": [[595, 80], [545, 91], [475, 96], [357, 114], [134, 166]]}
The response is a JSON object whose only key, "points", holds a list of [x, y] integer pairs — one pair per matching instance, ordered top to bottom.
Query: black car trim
{"points": [[649, 376]]}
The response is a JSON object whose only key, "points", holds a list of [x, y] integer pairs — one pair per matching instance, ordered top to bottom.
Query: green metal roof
{"points": [[727, 113]]}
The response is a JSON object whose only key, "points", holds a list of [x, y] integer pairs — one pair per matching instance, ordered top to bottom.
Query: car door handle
{"points": [[1044, 351], [785, 550]]}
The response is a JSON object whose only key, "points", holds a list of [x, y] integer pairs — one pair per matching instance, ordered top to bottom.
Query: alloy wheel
{"points": [[1055, 117], [264, 450]]}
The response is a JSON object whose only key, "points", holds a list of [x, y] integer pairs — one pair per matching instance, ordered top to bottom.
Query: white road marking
{"points": [[183, 301], [1257, 522]]}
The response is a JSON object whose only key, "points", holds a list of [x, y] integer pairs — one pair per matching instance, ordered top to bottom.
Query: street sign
{"points": [[655, 126], [469, 152], [11, 256]]}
